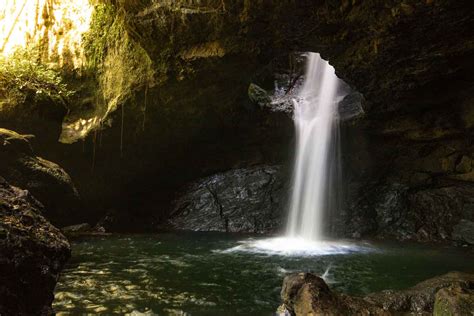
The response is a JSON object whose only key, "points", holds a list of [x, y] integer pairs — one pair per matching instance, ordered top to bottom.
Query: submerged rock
{"points": [[47, 181], [242, 200], [32, 254], [449, 294]]}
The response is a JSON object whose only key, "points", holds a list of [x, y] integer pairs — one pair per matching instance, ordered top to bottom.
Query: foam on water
{"points": [[296, 246]]}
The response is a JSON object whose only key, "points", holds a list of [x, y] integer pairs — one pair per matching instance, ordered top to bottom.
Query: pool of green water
{"points": [[196, 274]]}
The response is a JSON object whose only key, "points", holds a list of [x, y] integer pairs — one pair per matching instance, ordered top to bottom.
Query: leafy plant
{"points": [[22, 73]]}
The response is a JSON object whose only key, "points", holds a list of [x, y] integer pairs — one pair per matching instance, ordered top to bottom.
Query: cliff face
{"points": [[411, 60]]}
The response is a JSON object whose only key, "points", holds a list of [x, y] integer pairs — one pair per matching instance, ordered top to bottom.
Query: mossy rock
{"points": [[11, 141], [454, 301]]}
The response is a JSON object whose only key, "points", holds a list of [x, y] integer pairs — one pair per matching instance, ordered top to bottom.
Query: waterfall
{"points": [[315, 115], [316, 178]]}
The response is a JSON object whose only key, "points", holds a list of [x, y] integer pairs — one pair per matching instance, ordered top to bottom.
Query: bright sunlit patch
{"points": [[54, 26], [297, 247]]}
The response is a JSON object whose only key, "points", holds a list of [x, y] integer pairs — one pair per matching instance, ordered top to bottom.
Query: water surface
{"points": [[217, 274]]}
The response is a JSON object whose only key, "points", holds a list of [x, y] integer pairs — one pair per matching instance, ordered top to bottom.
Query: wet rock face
{"points": [[415, 76], [416, 121], [47, 181], [248, 200], [379, 210], [396, 211], [437, 212], [463, 232], [32, 254], [307, 294]]}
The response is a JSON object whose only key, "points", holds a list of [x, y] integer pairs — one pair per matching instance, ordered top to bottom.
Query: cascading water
{"points": [[315, 114], [315, 178]]}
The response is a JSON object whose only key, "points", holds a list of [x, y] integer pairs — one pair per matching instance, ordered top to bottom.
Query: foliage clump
{"points": [[23, 74]]}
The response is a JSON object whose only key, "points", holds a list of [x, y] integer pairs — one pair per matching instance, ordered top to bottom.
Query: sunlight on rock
{"points": [[54, 26], [78, 129]]}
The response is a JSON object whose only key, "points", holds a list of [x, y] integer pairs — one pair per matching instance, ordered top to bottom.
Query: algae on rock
{"points": [[119, 66]]}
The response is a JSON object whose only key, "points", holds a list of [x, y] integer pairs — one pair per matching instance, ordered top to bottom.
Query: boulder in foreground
{"points": [[47, 181], [32, 254], [449, 294]]}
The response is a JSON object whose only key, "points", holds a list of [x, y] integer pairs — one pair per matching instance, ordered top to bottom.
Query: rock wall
{"points": [[195, 120], [47, 181], [248, 200], [32, 254]]}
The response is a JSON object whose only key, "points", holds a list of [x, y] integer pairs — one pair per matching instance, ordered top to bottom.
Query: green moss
{"points": [[95, 41], [120, 63]]}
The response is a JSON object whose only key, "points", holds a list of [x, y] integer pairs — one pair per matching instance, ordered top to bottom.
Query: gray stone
{"points": [[259, 96], [350, 108], [240, 200], [380, 210], [435, 212], [464, 232]]}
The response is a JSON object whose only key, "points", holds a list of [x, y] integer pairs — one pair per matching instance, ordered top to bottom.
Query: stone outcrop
{"points": [[413, 129], [410, 136], [47, 181], [248, 200], [396, 211], [463, 232], [32, 254], [308, 294], [449, 294], [421, 297], [454, 300]]}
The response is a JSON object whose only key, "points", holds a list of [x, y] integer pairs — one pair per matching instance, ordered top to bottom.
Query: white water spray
{"points": [[315, 114]]}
